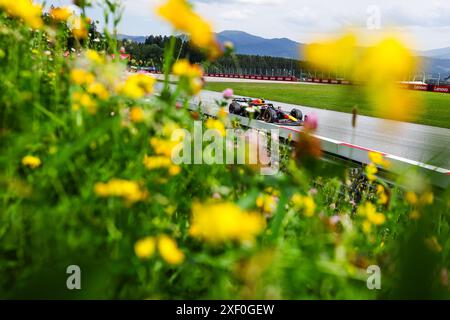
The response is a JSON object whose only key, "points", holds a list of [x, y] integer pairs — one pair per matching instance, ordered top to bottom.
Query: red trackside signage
{"points": [[421, 87], [443, 89]]}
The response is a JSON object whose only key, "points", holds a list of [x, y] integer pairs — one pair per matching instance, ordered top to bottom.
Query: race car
{"points": [[261, 110]]}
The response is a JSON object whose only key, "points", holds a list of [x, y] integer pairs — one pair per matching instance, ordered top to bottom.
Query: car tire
{"points": [[235, 108], [297, 114], [270, 115]]}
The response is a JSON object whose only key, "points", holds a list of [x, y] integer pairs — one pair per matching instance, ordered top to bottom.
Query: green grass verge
{"points": [[435, 109]]}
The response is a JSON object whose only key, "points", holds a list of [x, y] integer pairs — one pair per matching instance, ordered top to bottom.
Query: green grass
{"points": [[434, 112]]}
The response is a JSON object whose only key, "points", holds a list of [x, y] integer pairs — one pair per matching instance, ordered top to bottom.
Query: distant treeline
{"points": [[151, 54], [258, 65]]}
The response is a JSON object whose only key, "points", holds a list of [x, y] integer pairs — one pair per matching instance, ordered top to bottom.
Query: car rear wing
{"points": [[241, 99]]}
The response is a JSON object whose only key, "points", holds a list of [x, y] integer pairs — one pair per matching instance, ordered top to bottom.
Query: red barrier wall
{"points": [[254, 77]]}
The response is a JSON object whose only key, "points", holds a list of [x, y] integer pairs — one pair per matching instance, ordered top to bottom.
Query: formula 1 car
{"points": [[261, 110]]}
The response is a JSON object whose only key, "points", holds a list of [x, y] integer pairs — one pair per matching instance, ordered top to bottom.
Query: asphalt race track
{"points": [[426, 144]]}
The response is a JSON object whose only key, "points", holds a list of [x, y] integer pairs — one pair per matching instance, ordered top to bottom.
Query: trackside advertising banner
{"points": [[443, 89]]}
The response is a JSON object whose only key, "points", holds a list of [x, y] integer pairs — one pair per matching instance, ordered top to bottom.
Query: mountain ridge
{"points": [[246, 43], [439, 53], [436, 60]]}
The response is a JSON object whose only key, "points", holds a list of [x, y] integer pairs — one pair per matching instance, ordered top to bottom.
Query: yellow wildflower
{"points": [[26, 10], [60, 13], [177, 13], [180, 14], [80, 27], [228, 45], [333, 54], [95, 57], [389, 60], [382, 66], [184, 68], [192, 72], [82, 77], [195, 85], [137, 86], [99, 90], [85, 101], [394, 102], [136, 114], [222, 114], [218, 125], [169, 128], [163, 147], [375, 157], [31, 161], [157, 162], [161, 162], [174, 170], [371, 170], [130, 191], [272, 191], [382, 196], [411, 197], [427, 198], [297, 199], [267, 203], [305, 203], [309, 206], [170, 209], [362, 210], [369, 211], [376, 218], [220, 222], [366, 226], [145, 248], [169, 250]]}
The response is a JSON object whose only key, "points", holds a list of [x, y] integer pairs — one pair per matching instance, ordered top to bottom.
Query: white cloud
{"points": [[246, 2], [261, 2], [140, 7], [425, 14], [235, 15], [304, 16], [304, 21]]}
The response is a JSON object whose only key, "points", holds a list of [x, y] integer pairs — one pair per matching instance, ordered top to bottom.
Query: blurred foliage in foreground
{"points": [[86, 179]]}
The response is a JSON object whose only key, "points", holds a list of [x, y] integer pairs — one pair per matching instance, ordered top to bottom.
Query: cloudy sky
{"points": [[424, 24]]}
